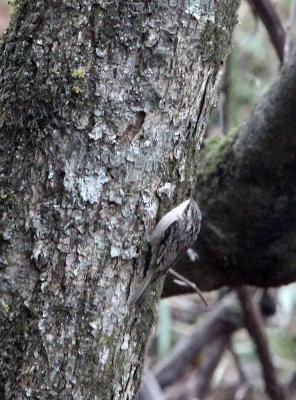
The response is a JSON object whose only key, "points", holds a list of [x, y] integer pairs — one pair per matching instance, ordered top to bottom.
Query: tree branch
{"points": [[272, 23], [288, 40], [246, 189], [223, 319], [254, 324], [209, 364], [150, 389]]}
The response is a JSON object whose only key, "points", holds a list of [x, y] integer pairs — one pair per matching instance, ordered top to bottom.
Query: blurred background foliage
{"points": [[251, 65], [250, 69], [238, 374]]}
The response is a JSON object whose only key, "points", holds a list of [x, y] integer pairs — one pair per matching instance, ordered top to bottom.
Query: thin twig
{"points": [[272, 23], [288, 40], [188, 283], [224, 319], [254, 324], [209, 363], [242, 375], [244, 386], [150, 389]]}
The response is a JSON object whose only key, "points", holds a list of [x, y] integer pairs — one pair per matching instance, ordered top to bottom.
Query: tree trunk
{"points": [[103, 110]]}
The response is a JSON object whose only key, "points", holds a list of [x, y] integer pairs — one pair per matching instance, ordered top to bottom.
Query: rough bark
{"points": [[103, 106], [248, 198]]}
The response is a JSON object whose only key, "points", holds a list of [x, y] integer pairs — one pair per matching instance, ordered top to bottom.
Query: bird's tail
{"points": [[142, 290]]}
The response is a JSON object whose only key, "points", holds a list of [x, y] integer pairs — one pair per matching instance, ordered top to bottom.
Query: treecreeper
{"points": [[174, 234]]}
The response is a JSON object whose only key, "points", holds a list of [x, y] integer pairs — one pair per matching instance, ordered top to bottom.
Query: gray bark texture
{"points": [[103, 108], [247, 192]]}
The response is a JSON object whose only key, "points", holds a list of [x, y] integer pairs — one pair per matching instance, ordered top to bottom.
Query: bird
{"points": [[174, 234]]}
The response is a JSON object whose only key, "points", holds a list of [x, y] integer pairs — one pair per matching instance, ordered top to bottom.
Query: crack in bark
{"points": [[202, 102], [133, 129]]}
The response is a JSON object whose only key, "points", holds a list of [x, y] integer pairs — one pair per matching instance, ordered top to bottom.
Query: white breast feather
{"points": [[166, 221]]}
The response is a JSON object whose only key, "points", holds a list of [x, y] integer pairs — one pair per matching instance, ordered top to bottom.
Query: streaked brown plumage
{"points": [[174, 234]]}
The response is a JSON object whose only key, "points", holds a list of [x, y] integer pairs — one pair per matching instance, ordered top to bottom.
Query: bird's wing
{"points": [[168, 248]]}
